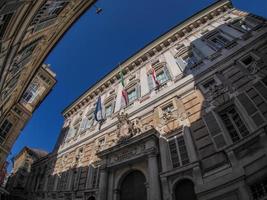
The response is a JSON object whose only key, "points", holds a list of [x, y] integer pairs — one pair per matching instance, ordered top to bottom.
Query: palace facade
{"points": [[28, 32], [194, 126], [21, 168]]}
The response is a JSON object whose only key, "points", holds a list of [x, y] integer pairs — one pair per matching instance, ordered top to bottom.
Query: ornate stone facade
{"points": [[28, 31], [198, 134]]}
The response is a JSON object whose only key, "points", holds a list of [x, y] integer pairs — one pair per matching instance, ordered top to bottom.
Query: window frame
{"points": [[158, 67], [31, 93], [223, 110], [4, 131], [178, 148]]}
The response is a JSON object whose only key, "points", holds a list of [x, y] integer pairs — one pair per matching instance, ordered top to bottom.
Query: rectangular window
{"points": [[47, 14], [4, 21], [242, 26], [217, 40], [190, 60], [250, 63], [162, 76], [209, 84], [31, 93], [132, 95], [168, 108], [108, 110], [87, 122], [234, 124], [4, 129], [178, 151], [96, 174], [63, 180], [50, 183], [259, 189]]}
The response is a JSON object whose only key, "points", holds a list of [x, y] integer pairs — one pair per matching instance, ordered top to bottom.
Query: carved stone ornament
{"points": [[217, 95], [127, 128]]}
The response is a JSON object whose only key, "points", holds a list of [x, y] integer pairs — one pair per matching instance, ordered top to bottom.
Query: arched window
{"points": [[184, 190]]}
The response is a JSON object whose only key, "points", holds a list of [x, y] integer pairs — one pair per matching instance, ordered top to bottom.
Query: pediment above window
{"points": [[180, 50], [159, 65], [132, 84], [109, 99]]}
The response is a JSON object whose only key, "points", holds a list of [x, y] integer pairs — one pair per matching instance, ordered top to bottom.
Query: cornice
{"points": [[158, 45]]}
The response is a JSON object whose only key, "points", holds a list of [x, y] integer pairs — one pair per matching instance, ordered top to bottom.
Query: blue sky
{"points": [[96, 43]]}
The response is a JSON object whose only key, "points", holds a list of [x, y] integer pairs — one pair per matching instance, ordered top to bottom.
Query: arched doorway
{"points": [[133, 187], [184, 190], [91, 198]]}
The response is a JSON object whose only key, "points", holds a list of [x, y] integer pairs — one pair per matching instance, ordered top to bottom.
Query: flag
{"points": [[154, 76], [124, 92], [98, 111]]}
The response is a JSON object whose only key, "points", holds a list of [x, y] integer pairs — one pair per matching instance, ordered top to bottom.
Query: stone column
{"points": [[189, 143], [165, 158], [153, 171], [71, 173], [89, 183], [165, 189], [243, 192], [102, 193]]}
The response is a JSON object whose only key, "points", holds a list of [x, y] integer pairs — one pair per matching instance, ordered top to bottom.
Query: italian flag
{"points": [[154, 76], [124, 92]]}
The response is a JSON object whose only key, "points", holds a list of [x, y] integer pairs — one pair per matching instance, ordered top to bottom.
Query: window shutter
{"points": [[10, 8], [230, 31], [203, 48], [181, 64], [166, 71], [150, 82], [261, 89], [138, 90], [247, 104], [251, 110], [83, 124], [214, 130], [71, 132], [183, 151], [174, 153]]}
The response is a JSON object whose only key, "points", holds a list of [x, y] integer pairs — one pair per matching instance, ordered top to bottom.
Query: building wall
{"points": [[28, 32], [21, 112], [205, 125], [20, 173]]}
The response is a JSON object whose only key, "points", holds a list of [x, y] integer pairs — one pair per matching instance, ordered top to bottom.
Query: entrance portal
{"points": [[133, 187], [184, 190]]}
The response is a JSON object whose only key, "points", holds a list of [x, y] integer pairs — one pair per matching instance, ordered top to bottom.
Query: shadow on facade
{"points": [[214, 129]]}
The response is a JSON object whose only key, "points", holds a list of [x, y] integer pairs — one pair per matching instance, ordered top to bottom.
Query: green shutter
{"points": [[261, 89], [247, 104], [251, 109], [214, 130]]}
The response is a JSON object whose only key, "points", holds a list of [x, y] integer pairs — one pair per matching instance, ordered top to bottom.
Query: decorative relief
{"points": [[218, 94], [170, 121], [127, 128], [127, 153]]}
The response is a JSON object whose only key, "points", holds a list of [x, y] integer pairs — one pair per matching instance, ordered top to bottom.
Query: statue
{"points": [[126, 128]]}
